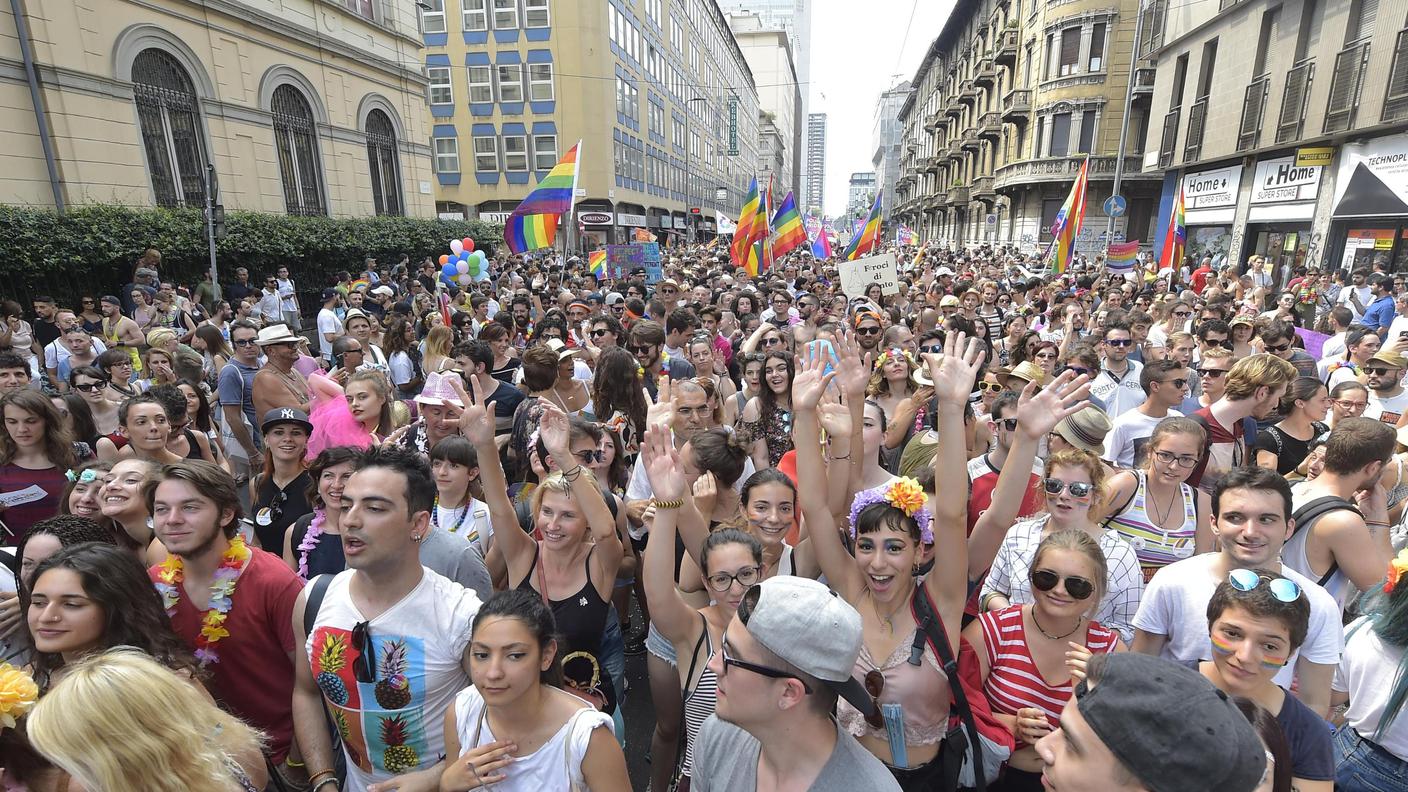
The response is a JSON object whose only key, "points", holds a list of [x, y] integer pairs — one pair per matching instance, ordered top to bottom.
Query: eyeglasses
{"points": [[867, 331], [243, 342], [1119, 342], [1278, 347], [1211, 373], [1179, 383], [91, 387], [990, 387], [1346, 404], [1184, 461], [1078, 489], [1046, 580], [1248, 580], [723, 581], [364, 667], [761, 670]]}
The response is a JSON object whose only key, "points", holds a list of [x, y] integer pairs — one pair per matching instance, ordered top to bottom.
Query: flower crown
{"points": [[895, 353], [86, 477], [904, 494], [1396, 568], [17, 695]]}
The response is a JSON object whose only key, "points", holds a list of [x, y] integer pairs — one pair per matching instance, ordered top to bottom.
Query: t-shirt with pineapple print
{"points": [[392, 719]]}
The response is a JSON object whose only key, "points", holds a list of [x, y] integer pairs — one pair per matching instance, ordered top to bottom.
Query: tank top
{"points": [[193, 450], [1155, 546], [1293, 555], [325, 557], [581, 619], [922, 691], [700, 701], [555, 767]]}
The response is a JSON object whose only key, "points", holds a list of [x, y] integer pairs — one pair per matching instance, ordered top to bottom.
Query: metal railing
{"points": [[1346, 82], [1396, 95], [1294, 101], [1253, 113]]}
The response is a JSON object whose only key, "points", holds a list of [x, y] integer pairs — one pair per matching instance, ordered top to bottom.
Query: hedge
{"points": [[91, 249]]}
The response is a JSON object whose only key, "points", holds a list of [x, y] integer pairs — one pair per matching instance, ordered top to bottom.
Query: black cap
{"points": [[329, 293], [283, 415]]}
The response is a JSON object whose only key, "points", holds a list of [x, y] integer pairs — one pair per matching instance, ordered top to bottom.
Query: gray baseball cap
{"points": [[811, 627]]}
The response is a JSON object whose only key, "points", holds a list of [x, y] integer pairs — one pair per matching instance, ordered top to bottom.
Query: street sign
{"points": [[1115, 206], [990, 219]]}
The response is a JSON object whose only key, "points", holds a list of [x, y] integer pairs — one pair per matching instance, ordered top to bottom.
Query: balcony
{"points": [[1008, 41], [986, 73], [1143, 82], [1345, 84], [967, 92], [1396, 95], [1294, 101], [1017, 106], [952, 108], [1253, 113], [1197, 120], [931, 122], [990, 126], [970, 140], [1169, 142], [955, 149], [929, 165], [1063, 171], [983, 189], [958, 195]]}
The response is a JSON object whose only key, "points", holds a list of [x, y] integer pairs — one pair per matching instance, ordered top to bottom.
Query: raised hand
{"points": [[956, 370], [852, 374], [810, 382], [1040, 409], [660, 411], [835, 418], [477, 420], [554, 430], [662, 463], [706, 494]]}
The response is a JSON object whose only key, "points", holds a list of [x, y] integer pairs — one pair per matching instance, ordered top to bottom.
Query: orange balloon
{"points": [[444, 259]]}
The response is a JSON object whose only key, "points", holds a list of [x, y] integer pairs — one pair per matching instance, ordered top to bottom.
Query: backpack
{"points": [[1249, 432], [1306, 516], [988, 742]]}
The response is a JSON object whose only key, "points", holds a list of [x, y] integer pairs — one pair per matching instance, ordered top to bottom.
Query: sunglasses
{"points": [[1182, 314], [867, 331], [599, 332], [771, 341], [244, 342], [1119, 342], [1225, 343], [1278, 347], [640, 351], [1046, 355], [1077, 370], [1379, 370], [1211, 373], [1177, 383], [91, 387], [990, 387], [1010, 424], [594, 456], [1167, 458], [1078, 489], [1248, 580], [723, 581], [1078, 587], [364, 667], [761, 670], [875, 685]]}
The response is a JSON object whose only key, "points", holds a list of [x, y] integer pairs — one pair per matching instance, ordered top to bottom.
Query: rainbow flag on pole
{"points": [[1068, 222], [533, 224], [791, 234], [743, 236], [868, 237], [1176, 237], [821, 244], [759, 256], [1120, 256], [596, 262]]}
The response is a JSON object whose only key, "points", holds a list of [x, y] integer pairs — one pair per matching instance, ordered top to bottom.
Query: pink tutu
{"points": [[333, 424]]}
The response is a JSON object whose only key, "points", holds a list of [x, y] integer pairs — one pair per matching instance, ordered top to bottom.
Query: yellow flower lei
{"points": [[170, 575], [17, 695]]}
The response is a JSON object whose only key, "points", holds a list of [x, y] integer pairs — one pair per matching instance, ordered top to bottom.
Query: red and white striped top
{"points": [[1013, 679]]}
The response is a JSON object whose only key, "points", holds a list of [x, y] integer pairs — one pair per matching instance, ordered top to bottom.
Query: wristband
{"points": [[668, 504], [325, 775], [330, 780]]}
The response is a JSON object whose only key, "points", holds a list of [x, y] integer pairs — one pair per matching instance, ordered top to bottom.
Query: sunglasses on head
{"points": [[1078, 489], [1248, 579], [1046, 580]]}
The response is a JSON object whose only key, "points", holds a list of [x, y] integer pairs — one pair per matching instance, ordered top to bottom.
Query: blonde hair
{"points": [[159, 336], [437, 341], [1216, 353], [1256, 371], [1090, 463], [555, 482], [1085, 544], [173, 739]]}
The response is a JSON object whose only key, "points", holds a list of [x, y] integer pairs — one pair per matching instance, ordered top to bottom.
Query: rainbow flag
{"points": [[1068, 222], [533, 224], [791, 234], [743, 235], [868, 236], [1176, 237], [821, 242], [760, 252], [1120, 256], [596, 263], [359, 284]]}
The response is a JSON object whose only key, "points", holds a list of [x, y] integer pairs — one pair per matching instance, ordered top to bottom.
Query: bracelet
{"points": [[840, 458], [571, 475], [667, 504], [1376, 524], [292, 763], [325, 775], [332, 780]]}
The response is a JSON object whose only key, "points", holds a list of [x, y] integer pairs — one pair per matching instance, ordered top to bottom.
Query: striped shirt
{"points": [[1155, 546], [1013, 680]]}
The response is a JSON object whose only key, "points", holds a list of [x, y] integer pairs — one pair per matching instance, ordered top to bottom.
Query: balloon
{"points": [[468, 244], [456, 246], [479, 254], [464, 255], [444, 259], [473, 266], [461, 268], [449, 270], [483, 274], [465, 280]]}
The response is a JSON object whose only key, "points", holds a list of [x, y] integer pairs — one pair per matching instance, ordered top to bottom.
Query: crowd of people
{"points": [[979, 526]]}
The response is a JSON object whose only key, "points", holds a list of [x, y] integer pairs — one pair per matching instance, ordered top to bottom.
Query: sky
{"points": [[858, 51]]}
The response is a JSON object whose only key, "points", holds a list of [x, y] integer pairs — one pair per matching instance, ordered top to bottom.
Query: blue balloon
{"points": [[449, 270]]}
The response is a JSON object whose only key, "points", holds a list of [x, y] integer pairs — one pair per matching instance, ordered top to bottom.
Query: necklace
{"points": [[293, 381], [435, 518], [1163, 518], [310, 541], [222, 591], [887, 620], [1043, 631]]}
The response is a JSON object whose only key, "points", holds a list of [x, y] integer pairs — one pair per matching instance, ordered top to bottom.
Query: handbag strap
{"points": [[931, 626]]}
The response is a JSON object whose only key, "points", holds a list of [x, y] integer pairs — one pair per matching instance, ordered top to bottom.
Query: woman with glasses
{"points": [[89, 314], [1045, 356], [117, 368], [1347, 400], [767, 418], [1284, 446], [280, 493], [1154, 508], [1257, 619], [1031, 656]]}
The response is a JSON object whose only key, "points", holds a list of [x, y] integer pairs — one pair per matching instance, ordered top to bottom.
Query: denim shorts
{"points": [[660, 646], [1363, 766]]}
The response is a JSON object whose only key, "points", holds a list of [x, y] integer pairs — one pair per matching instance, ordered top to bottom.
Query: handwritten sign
{"points": [[651, 258], [621, 259], [882, 269]]}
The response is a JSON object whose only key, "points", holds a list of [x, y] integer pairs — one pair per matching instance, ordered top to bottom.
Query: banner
{"points": [[621, 259], [860, 273]]}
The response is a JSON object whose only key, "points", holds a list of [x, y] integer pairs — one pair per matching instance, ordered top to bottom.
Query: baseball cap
{"points": [[942, 271], [383, 291], [328, 293], [614, 297], [108, 298], [1390, 357], [283, 415], [809, 626], [1170, 727]]}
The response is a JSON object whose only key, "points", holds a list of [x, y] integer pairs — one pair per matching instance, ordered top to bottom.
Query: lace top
{"points": [[775, 430]]}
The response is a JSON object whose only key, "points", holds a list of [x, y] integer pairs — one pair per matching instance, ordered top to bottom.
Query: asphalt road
{"points": [[639, 713]]}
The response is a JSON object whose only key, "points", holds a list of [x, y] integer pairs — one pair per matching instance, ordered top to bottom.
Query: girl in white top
{"points": [[514, 729], [1371, 748]]}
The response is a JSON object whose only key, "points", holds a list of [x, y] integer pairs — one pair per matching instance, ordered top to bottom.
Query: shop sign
{"points": [[733, 126], [1314, 156], [1372, 178], [1281, 179], [1212, 188], [495, 217], [594, 218], [627, 219], [681, 223]]}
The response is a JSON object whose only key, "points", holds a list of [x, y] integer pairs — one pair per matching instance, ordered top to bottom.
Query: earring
{"points": [[915, 571]]}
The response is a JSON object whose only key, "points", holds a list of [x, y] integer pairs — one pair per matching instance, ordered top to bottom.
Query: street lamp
{"points": [[688, 170]]}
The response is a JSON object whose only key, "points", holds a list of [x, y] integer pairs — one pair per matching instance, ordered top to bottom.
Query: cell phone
{"points": [[337, 360]]}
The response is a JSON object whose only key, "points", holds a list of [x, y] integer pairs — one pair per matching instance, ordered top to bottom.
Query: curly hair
{"points": [[617, 387]]}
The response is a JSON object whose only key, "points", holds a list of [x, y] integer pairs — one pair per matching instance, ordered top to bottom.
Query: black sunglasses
{"points": [[867, 331], [599, 332], [244, 342], [1119, 342], [1225, 343], [1278, 347], [933, 349], [1077, 370], [1379, 370], [1211, 373], [1177, 383], [91, 387], [591, 456], [1078, 587], [364, 667]]}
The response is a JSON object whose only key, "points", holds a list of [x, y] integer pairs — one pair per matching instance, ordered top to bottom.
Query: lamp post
{"points": [[689, 171]]}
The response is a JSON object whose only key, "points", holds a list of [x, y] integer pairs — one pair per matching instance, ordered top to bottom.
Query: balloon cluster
{"points": [[464, 264]]}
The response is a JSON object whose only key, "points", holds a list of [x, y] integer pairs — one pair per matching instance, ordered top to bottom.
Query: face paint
{"points": [[1220, 646], [1273, 662]]}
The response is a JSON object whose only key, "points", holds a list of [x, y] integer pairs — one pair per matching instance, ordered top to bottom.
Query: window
{"points": [[362, 8], [652, 11], [505, 14], [536, 14], [474, 16], [432, 19], [1361, 21], [676, 35], [1266, 41], [1097, 48], [694, 59], [652, 62], [1069, 62], [1209, 62], [510, 82], [540, 82], [481, 84], [441, 92], [657, 120], [171, 128], [1087, 132], [1060, 135], [295, 136], [678, 138], [544, 152], [486, 153], [516, 153], [447, 155], [385, 170]]}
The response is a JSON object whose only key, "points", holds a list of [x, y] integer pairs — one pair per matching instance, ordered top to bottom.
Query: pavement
{"points": [[639, 713]]}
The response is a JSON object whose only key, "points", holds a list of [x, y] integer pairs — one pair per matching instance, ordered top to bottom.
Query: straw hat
{"points": [[1026, 371]]}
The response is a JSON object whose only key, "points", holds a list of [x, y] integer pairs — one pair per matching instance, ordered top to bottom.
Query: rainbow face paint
{"points": [[1220, 646], [1273, 662]]}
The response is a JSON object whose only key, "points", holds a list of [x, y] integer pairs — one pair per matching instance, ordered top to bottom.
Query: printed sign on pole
{"points": [[651, 253], [882, 269]]}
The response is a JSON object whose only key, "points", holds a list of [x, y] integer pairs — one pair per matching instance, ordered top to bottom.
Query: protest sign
{"points": [[651, 253], [621, 259], [882, 269]]}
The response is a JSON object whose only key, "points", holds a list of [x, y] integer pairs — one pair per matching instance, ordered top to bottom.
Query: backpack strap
{"points": [[1307, 514], [316, 592], [931, 626]]}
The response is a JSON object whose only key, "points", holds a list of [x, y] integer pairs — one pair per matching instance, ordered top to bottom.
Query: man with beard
{"points": [[868, 328], [120, 332], [278, 383], [1254, 389], [1388, 401], [1251, 520], [211, 573]]}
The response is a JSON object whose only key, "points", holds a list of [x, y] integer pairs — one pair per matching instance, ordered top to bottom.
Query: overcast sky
{"points": [[857, 51]]}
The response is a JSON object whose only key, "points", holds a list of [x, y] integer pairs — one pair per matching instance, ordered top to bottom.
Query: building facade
{"points": [[769, 56], [658, 93], [1010, 100], [307, 107], [1284, 125], [886, 136], [815, 170], [860, 194]]}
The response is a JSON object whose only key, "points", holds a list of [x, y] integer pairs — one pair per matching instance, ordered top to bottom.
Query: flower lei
{"points": [[904, 494], [310, 541], [1396, 568], [170, 575], [17, 695]]}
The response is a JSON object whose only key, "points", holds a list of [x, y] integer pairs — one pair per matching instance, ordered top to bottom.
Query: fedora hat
{"points": [[275, 334], [1028, 371], [438, 391], [1086, 429]]}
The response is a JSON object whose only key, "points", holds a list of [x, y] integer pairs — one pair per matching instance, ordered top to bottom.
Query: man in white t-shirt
{"points": [[1357, 295], [288, 302], [329, 326], [1117, 384], [1165, 384], [1388, 400], [1250, 518], [386, 611]]}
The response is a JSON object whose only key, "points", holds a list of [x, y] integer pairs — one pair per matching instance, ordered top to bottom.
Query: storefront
{"points": [[1209, 211], [1281, 213], [629, 217], [1370, 219], [595, 221]]}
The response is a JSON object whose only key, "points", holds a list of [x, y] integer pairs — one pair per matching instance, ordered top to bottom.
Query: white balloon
{"points": [[456, 246], [462, 267]]}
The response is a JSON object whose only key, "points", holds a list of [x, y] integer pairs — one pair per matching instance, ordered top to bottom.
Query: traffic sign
{"points": [[1115, 206]]}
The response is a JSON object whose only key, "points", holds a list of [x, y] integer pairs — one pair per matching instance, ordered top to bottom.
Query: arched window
{"points": [[171, 128], [296, 138], [381, 155]]}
